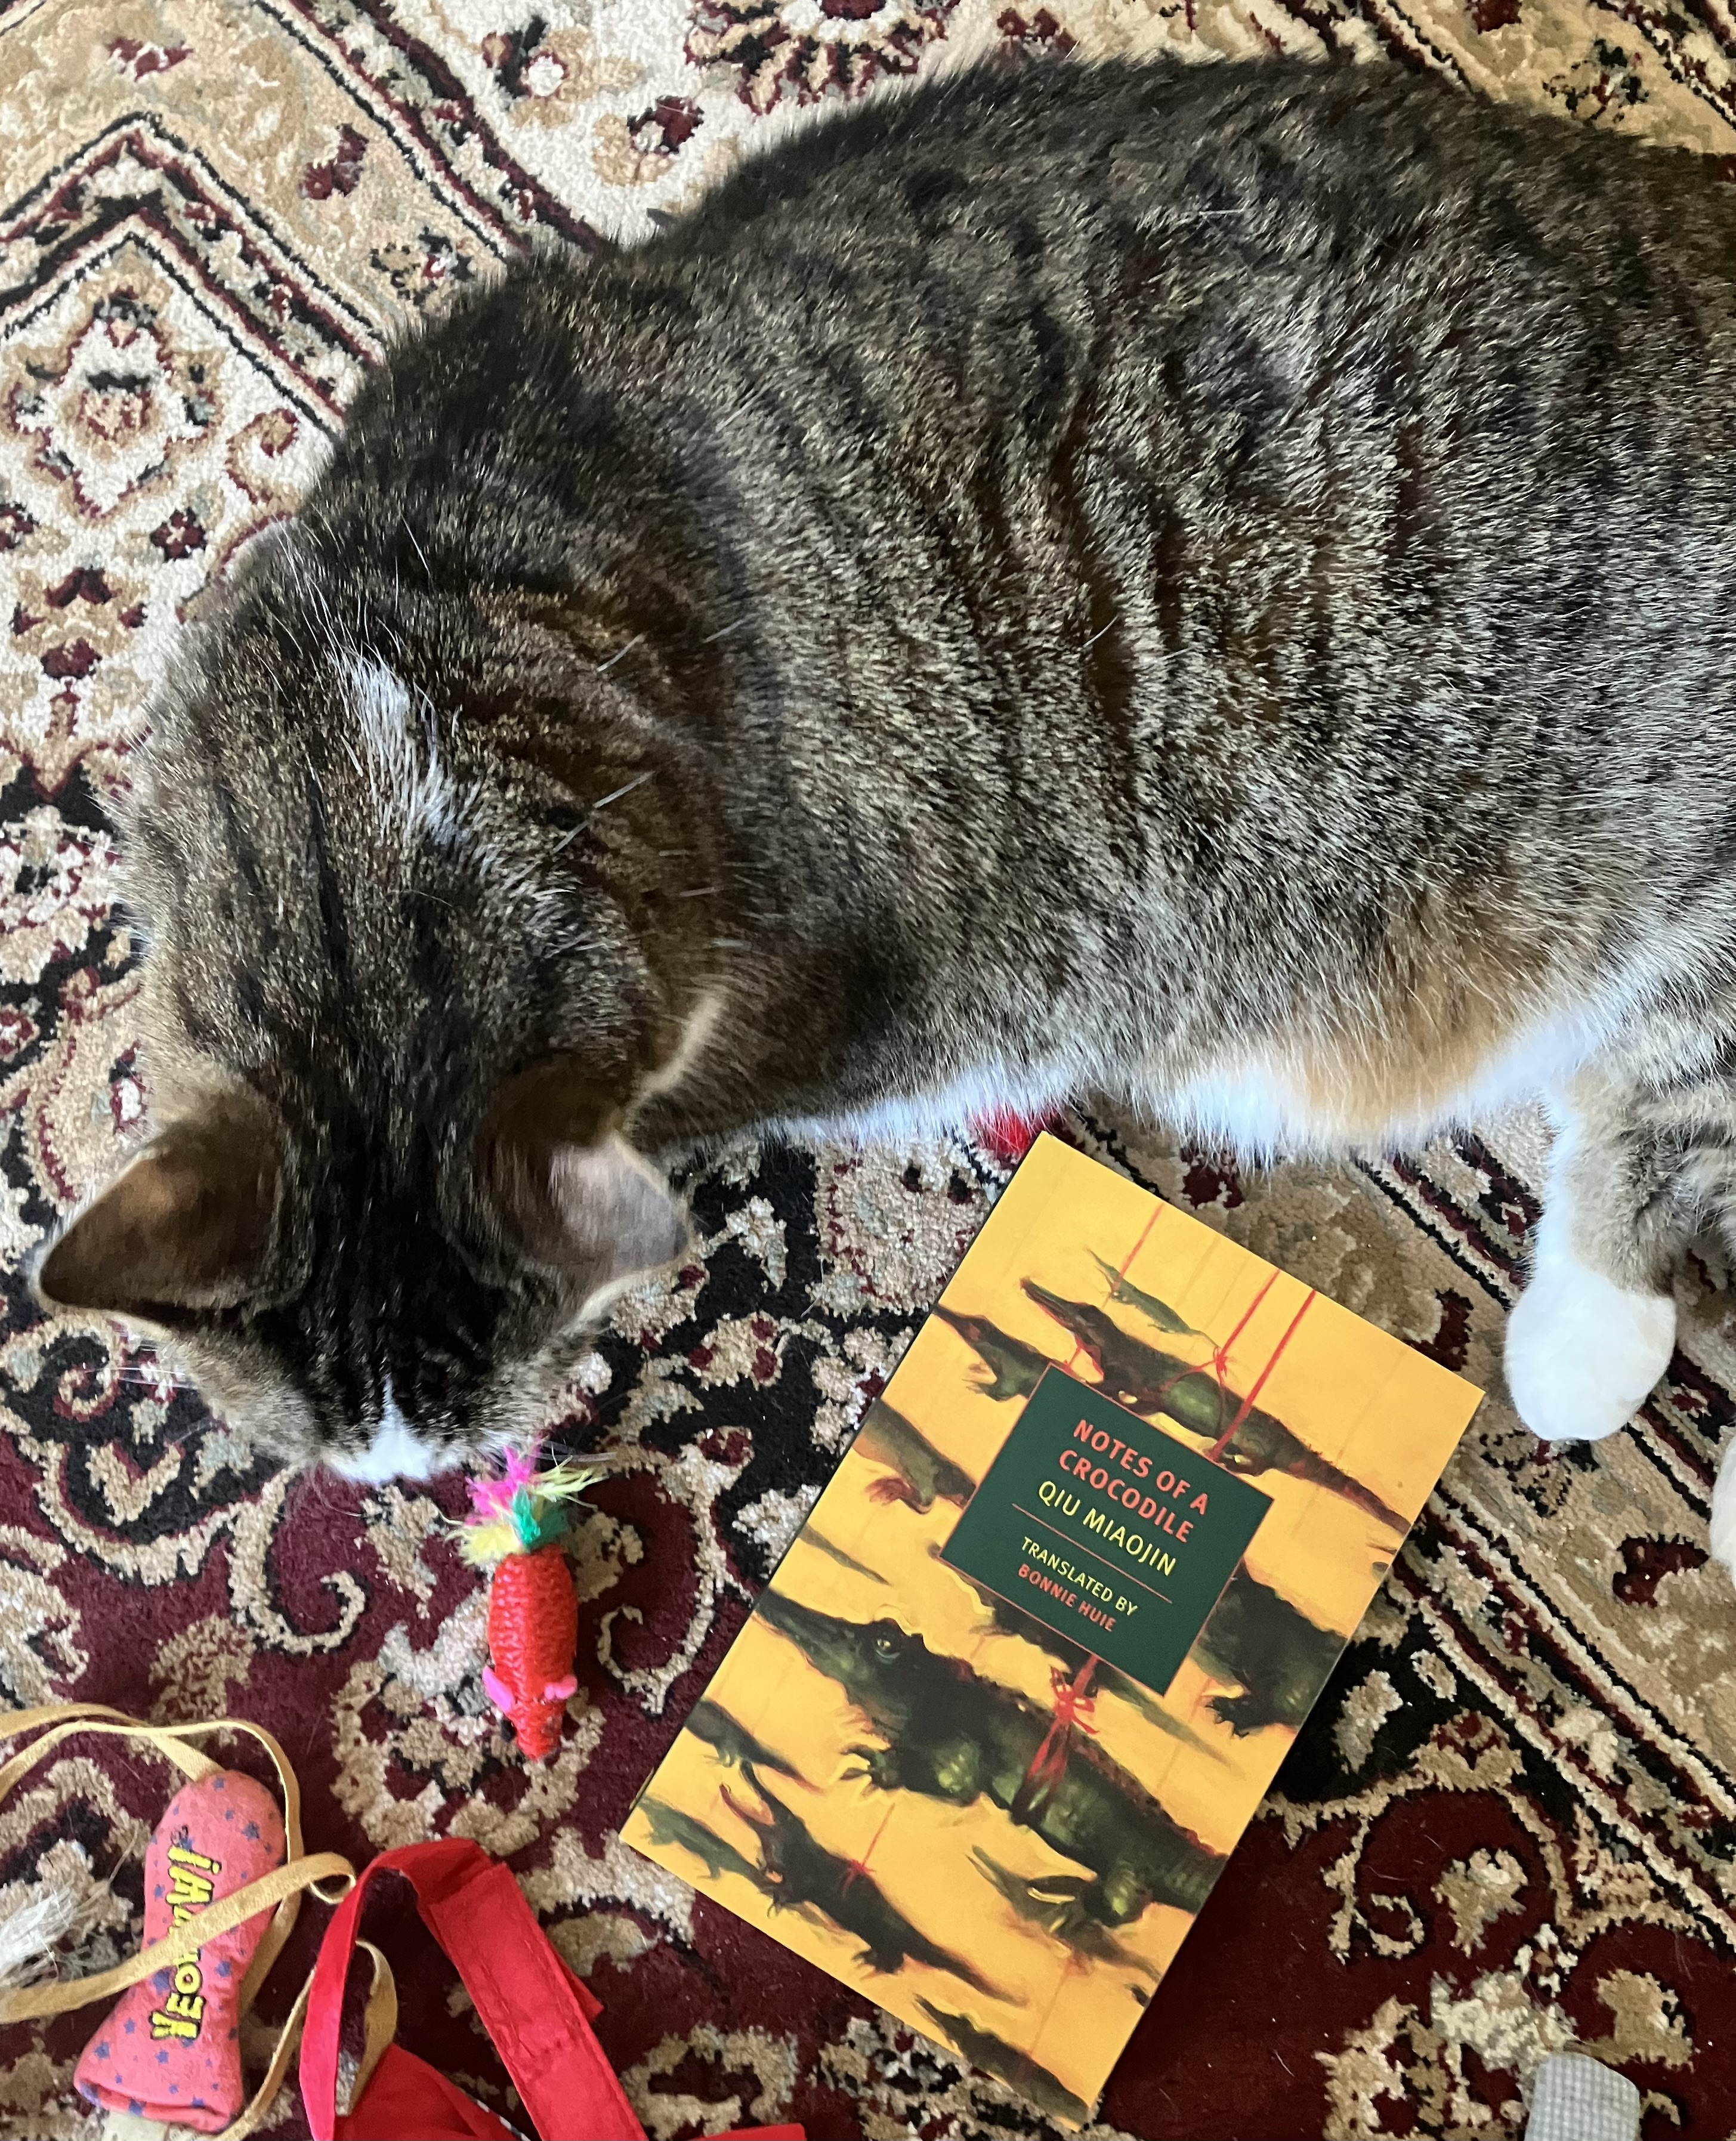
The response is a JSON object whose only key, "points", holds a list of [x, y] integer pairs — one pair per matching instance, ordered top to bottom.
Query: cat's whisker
{"points": [[418, 548], [1101, 633], [711, 636], [620, 653], [627, 787], [614, 795], [699, 892]]}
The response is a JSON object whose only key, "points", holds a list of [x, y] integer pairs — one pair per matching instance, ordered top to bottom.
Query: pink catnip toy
{"points": [[171, 2050]]}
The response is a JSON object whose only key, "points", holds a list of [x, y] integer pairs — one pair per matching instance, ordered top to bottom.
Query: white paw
{"points": [[1583, 1353], [1723, 1509]]}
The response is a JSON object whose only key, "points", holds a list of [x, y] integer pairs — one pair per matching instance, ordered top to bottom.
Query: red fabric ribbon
{"points": [[536, 2013]]}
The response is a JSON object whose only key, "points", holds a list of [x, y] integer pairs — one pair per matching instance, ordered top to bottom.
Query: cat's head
{"points": [[402, 991], [386, 1313]]}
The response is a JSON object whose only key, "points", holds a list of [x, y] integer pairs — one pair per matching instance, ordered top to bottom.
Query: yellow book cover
{"points": [[1026, 1672]]}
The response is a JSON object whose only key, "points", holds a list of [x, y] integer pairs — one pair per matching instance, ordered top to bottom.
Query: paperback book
{"points": [[1027, 1669]]}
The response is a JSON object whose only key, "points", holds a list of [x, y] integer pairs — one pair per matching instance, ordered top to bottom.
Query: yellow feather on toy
{"points": [[523, 1510], [482, 1545]]}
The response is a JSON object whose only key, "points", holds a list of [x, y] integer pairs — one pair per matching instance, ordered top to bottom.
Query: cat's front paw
{"points": [[1583, 1353], [1723, 1509]]}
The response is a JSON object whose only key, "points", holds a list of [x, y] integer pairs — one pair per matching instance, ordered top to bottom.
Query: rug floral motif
{"points": [[1511, 1825]]}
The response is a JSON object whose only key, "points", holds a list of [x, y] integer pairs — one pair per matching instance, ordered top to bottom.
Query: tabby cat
{"points": [[1214, 586]]}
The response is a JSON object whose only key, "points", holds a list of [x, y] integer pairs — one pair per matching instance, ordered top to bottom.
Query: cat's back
{"points": [[1046, 162], [977, 249], [1208, 268], [1226, 432]]}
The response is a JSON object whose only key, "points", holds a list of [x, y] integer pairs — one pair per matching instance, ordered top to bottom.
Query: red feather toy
{"points": [[515, 1529]]}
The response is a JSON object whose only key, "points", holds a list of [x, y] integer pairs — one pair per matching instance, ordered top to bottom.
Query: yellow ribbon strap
{"points": [[33, 2002]]}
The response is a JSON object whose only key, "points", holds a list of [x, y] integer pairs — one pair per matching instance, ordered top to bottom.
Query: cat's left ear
{"points": [[571, 1193], [184, 1228]]}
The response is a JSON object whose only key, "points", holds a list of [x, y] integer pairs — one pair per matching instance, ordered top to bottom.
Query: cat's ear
{"points": [[570, 1191], [185, 1226]]}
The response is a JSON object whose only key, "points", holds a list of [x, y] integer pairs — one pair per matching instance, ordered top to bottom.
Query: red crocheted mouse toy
{"points": [[517, 1524]]}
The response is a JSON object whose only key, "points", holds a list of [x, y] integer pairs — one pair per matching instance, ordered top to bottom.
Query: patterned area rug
{"points": [[1510, 1825]]}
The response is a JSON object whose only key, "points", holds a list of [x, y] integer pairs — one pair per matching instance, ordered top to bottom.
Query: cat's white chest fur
{"points": [[1262, 1106], [395, 1451]]}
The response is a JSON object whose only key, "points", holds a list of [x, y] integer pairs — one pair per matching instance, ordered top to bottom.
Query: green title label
{"points": [[1106, 1529]]}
